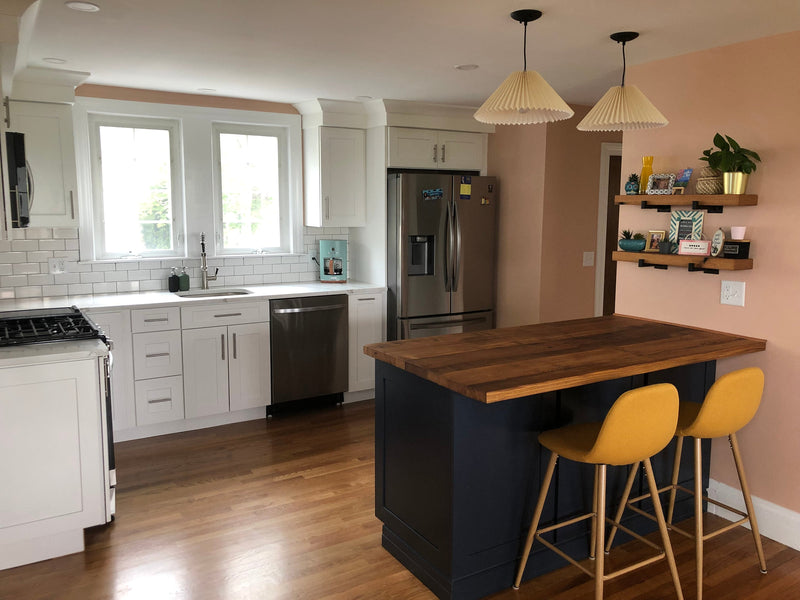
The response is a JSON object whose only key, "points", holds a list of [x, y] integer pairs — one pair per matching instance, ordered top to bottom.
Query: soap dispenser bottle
{"points": [[174, 280], [183, 280]]}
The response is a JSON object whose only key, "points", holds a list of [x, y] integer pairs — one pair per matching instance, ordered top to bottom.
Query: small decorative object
{"points": [[735, 163], [647, 170], [682, 179], [709, 181], [661, 183], [632, 187], [678, 191], [685, 225], [737, 233], [654, 239], [632, 242], [716, 242], [665, 247], [694, 247], [736, 249], [183, 280], [173, 281]]}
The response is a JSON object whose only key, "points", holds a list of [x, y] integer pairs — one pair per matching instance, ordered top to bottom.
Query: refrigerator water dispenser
{"points": [[422, 253]]}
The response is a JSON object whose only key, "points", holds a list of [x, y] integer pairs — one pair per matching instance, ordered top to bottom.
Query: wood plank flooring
{"points": [[285, 509]]}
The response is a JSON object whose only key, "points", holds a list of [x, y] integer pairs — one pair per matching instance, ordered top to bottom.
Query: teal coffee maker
{"points": [[333, 260]]}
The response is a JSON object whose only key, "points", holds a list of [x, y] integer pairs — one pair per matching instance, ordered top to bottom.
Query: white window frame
{"points": [[98, 120], [196, 146], [284, 203]]}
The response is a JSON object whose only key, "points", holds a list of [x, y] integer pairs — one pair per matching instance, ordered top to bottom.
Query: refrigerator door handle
{"points": [[448, 248], [457, 250]]}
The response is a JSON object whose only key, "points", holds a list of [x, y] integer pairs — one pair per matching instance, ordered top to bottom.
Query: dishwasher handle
{"points": [[306, 309]]}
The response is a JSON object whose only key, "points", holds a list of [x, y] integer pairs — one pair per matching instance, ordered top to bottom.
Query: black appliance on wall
{"points": [[19, 183]]}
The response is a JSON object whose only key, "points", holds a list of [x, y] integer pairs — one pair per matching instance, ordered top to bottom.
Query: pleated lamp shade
{"points": [[524, 98], [623, 108]]}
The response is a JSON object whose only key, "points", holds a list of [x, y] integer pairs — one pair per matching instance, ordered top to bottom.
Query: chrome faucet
{"points": [[203, 265]]}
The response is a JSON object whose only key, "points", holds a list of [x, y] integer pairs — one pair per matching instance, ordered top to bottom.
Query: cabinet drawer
{"points": [[233, 313], [155, 319], [157, 354], [159, 400]]}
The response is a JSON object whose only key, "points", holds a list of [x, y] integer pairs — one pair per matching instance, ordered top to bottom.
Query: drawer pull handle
{"points": [[365, 299], [228, 315], [159, 320], [156, 355], [159, 400]]}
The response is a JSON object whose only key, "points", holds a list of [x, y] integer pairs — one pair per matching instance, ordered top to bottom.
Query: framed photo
{"points": [[661, 183], [678, 191], [685, 225], [654, 238]]}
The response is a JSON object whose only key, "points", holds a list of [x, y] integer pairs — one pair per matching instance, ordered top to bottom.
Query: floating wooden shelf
{"points": [[710, 202], [693, 263]]}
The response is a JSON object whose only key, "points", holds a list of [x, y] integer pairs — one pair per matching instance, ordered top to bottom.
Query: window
{"points": [[136, 184], [252, 200]]}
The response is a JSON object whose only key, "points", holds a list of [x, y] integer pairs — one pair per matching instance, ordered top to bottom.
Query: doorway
{"points": [[605, 281]]}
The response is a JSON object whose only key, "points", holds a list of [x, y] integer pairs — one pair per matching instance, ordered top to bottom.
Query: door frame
{"points": [[607, 150]]}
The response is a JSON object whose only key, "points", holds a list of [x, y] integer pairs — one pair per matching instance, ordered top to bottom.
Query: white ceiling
{"points": [[290, 51]]}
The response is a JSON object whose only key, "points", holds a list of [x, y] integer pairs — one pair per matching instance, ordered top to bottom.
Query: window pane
{"points": [[137, 191], [250, 191]]}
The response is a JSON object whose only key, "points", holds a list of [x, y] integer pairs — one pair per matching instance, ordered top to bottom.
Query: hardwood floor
{"points": [[285, 509]]}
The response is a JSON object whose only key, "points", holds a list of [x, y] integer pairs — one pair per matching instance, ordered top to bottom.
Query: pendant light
{"points": [[524, 98], [623, 107]]}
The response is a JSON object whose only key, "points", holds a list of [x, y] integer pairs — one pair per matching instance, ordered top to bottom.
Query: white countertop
{"points": [[164, 298]]}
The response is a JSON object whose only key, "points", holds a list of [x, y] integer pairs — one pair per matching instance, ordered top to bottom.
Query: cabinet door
{"points": [[413, 148], [462, 150], [50, 151], [343, 173], [117, 326], [366, 327], [248, 367], [205, 371]]}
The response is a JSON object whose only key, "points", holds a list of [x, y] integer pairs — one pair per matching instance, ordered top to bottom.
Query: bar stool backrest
{"points": [[729, 405], [640, 424]]}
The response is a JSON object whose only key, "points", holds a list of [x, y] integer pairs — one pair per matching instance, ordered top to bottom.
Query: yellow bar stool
{"points": [[729, 405], [640, 424]]}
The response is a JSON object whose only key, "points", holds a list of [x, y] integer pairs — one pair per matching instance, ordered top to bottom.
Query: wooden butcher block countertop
{"points": [[501, 364]]}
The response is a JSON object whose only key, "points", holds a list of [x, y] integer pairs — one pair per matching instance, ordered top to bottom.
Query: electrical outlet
{"points": [[588, 259], [57, 265], [732, 293]]}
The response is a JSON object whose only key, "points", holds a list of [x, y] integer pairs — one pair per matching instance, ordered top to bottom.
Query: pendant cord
{"points": [[525, 48], [623, 64]]}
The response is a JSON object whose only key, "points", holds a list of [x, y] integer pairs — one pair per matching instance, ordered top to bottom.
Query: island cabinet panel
{"points": [[457, 479]]}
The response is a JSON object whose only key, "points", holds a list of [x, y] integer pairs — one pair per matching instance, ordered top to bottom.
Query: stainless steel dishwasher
{"points": [[308, 339]]}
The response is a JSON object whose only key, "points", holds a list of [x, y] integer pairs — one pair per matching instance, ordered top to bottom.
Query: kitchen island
{"points": [[458, 466]]}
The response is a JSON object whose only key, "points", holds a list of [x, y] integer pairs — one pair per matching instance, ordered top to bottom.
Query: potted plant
{"points": [[735, 163], [632, 187], [631, 242]]}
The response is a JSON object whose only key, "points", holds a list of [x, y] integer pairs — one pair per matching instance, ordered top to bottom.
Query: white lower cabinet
{"points": [[366, 327], [226, 368], [159, 400]]}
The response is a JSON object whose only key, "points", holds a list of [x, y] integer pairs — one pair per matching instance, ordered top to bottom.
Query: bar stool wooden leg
{"points": [[676, 467], [626, 493], [748, 503], [537, 515], [698, 515], [662, 527], [599, 534], [593, 542]]}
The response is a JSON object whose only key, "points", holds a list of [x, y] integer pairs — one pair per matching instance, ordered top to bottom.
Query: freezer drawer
{"points": [[442, 325], [309, 347]]}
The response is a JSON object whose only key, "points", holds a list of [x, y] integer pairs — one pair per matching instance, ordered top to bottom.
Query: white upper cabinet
{"points": [[431, 149], [50, 152], [335, 177]]}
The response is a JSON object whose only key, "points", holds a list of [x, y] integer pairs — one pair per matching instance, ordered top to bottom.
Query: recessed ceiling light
{"points": [[82, 6], [54, 61], [466, 67], [206, 90]]}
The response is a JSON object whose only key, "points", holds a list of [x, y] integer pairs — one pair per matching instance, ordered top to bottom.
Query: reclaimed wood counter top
{"points": [[501, 364]]}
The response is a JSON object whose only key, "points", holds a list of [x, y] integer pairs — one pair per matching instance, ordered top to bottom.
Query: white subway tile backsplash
{"points": [[38, 233], [61, 233], [5, 245], [24, 245], [53, 245], [71, 245], [68, 254], [40, 256], [13, 257], [286, 260], [234, 262], [128, 265], [104, 266], [78, 267], [26, 268], [281, 268], [299, 268], [262, 269], [5, 270], [244, 270], [116, 275], [139, 275], [308, 276], [92, 277], [66, 278], [273, 278], [290, 278], [41, 279], [253, 279], [234, 280], [13, 281], [152, 285], [128, 286], [104, 288], [76, 289], [54, 290], [28, 291]]}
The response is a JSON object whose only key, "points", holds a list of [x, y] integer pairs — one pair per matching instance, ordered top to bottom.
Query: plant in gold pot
{"points": [[735, 163], [632, 242]]}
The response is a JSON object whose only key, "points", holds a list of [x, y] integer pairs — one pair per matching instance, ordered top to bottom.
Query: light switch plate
{"points": [[588, 259], [732, 293]]}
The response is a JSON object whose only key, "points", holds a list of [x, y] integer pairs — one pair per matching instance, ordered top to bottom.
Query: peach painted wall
{"points": [[749, 91], [136, 95], [517, 157], [572, 179]]}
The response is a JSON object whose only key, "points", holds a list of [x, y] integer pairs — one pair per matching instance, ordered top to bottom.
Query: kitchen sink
{"points": [[213, 292]]}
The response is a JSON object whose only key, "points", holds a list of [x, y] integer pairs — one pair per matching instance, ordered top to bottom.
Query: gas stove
{"points": [[47, 325]]}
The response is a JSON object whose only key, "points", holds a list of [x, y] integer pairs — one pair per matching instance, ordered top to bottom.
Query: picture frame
{"points": [[660, 183], [678, 191], [686, 225], [654, 238]]}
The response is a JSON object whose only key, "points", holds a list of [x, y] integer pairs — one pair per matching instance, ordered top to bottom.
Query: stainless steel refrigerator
{"points": [[441, 253]]}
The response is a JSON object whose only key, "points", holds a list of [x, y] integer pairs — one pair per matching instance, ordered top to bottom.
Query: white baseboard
{"points": [[359, 396], [775, 522]]}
